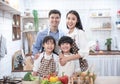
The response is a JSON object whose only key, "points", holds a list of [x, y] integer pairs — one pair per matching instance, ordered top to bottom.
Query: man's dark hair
{"points": [[54, 11]]}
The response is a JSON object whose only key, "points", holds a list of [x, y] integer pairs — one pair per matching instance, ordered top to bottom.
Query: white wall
{"points": [[83, 7], [12, 46]]}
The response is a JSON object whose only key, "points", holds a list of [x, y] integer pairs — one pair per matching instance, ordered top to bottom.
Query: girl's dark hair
{"points": [[54, 11], [78, 24], [46, 39], [66, 39]]}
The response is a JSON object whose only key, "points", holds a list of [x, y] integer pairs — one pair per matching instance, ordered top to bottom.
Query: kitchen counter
{"points": [[104, 52], [105, 65], [107, 80]]}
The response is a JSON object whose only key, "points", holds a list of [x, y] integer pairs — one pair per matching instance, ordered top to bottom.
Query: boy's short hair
{"points": [[54, 11], [65, 39]]}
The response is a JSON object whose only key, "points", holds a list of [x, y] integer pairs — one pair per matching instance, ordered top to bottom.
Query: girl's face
{"points": [[54, 20], [71, 21], [49, 46], [65, 47]]}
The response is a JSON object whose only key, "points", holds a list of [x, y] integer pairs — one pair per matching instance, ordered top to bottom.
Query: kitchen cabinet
{"points": [[6, 7], [100, 19], [16, 28], [28, 32], [105, 65]]}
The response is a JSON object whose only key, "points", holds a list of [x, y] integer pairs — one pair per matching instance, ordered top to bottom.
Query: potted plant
{"points": [[36, 20], [108, 43]]}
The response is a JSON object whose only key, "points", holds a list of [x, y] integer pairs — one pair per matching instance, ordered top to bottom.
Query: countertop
{"points": [[105, 52], [107, 80]]}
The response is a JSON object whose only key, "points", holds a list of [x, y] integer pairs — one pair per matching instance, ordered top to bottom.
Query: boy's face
{"points": [[54, 20], [49, 46], [65, 47]]}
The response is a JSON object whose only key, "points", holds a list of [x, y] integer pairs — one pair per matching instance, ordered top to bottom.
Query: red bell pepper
{"points": [[64, 79]]}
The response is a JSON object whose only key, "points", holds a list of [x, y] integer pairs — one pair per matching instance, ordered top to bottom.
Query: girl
{"points": [[77, 33], [48, 60], [72, 66]]}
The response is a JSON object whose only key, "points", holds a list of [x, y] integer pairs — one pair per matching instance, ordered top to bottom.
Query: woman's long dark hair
{"points": [[78, 24]]}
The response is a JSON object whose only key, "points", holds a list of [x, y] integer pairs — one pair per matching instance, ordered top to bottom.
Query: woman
{"points": [[77, 33]]}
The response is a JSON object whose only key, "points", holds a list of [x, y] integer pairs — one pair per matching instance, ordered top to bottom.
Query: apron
{"points": [[46, 67]]}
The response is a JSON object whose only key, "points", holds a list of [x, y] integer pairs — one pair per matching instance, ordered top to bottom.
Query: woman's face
{"points": [[54, 20], [71, 21], [49, 46], [65, 47]]}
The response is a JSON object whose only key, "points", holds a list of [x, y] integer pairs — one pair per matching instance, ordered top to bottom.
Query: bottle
{"points": [[97, 46]]}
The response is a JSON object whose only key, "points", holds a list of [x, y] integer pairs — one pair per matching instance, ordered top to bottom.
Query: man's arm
{"points": [[37, 45]]}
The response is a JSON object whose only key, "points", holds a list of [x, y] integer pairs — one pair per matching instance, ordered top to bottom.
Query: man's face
{"points": [[54, 20]]}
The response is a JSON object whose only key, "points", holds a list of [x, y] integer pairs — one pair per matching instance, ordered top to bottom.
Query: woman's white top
{"points": [[81, 41], [37, 62], [69, 68]]}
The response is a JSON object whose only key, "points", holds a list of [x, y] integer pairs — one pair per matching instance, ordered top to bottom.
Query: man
{"points": [[54, 20]]}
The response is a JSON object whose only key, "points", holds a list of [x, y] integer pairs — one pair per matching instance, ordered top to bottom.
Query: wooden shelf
{"points": [[6, 7], [100, 16], [31, 17], [118, 27], [16, 28], [107, 29], [32, 30]]}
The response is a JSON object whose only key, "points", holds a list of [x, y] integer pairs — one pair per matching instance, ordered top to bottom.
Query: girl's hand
{"points": [[36, 56], [63, 59], [62, 63], [34, 73]]}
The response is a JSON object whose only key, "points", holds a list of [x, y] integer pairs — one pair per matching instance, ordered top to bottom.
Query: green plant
{"points": [[36, 20], [108, 41]]}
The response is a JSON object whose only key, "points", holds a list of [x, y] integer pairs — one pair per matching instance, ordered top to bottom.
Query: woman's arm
{"points": [[73, 57]]}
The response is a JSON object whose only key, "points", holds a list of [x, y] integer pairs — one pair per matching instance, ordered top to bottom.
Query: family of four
{"points": [[52, 49]]}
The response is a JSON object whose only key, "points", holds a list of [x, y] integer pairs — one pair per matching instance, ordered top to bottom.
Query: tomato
{"points": [[64, 79]]}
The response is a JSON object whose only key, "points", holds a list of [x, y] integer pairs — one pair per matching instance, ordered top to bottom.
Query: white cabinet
{"points": [[6, 7], [100, 19], [29, 33]]}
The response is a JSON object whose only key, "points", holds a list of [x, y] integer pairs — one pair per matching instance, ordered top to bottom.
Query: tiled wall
{"points": [[12, 46]]}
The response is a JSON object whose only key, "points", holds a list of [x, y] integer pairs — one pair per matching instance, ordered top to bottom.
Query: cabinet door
{"points": [[16, 29]]}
